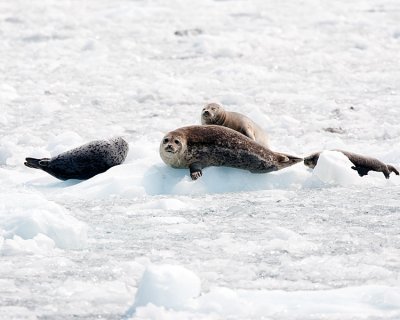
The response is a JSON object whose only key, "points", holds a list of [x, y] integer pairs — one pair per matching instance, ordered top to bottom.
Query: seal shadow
{"points": [[58, 184], [129, 313]]}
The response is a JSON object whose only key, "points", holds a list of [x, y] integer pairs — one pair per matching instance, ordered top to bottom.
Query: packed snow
{"points": [[144, 241]]}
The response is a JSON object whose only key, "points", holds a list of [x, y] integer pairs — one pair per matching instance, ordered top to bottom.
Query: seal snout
{"points": [[206, 113], [170, 148]]}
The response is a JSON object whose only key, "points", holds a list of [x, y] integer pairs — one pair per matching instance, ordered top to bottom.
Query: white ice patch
{"points": [[7, 93], [64, 142], [5, 151], [334, 168], [161, 179], [122, 180], [167, 204], [30, 222], [39, 244], [169, 286], [166, 291], [345, 303]]}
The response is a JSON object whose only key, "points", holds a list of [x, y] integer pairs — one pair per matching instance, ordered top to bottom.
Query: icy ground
{"points": [[142, 241]]}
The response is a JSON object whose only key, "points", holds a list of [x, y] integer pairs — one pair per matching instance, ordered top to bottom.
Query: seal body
{"points": [[214, 113], [197, 147], [85, 161], [362, 164]]}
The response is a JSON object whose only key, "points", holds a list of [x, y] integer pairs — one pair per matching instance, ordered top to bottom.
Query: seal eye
{"points": [[165, 140], [177, 142]]}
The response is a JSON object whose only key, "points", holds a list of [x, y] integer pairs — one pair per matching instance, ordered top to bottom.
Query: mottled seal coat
{"points": [[214, 113], [197, 147], [85, 161], [361, 163]]}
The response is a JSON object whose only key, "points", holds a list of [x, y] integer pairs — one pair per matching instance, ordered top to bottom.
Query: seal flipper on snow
{"points": [[393, 169]]}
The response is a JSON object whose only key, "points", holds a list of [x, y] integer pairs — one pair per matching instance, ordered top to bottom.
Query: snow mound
{"points": [[5, 151], [160, 179], [120, 181], [30, 222], [38, 245], [169, 286], [173, 292], [344, 303]]}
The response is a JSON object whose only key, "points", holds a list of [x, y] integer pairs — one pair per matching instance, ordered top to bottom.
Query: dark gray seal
{"points": [[214, 113], [197, 147], [85, 161], [362, 164]]}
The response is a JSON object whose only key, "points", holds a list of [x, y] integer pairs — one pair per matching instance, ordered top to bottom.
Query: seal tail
{"points": [[286, 160], [36, 163], [393, 169]]}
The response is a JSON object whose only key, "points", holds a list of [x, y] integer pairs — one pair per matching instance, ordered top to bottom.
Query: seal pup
{"points": [[214, 113], [197, 147], [85, 161], [362, 164]]}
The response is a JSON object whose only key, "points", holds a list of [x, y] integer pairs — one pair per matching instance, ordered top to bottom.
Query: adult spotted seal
{"points": [[214, 113], [197, 147], [85, 161], [361, 163]]}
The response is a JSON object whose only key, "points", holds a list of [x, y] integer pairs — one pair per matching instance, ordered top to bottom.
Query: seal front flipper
{"points": [[36, 163], [195, 170], [362, 171]]}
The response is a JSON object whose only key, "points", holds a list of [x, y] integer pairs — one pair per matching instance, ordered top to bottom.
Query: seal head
{"points": [[214, 113]]}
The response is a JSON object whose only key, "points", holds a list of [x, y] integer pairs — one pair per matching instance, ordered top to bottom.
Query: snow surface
{"points": [[143, 241]]}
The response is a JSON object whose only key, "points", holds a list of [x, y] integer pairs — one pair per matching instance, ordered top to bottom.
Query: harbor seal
{"points": [[214, 113], [197, 147], [85, 161], [361, 163]]}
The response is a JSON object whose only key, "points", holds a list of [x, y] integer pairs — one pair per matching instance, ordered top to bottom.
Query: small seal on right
{"points": [[213, 113], [362, 164]]}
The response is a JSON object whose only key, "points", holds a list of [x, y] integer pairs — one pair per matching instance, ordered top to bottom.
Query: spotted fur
{"points": [[197, 147], [85, 161]]}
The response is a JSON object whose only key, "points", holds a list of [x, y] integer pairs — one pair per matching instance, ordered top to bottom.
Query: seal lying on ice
{"points": [[214, 113], [197, 147], [85, 161], [361, 163]]}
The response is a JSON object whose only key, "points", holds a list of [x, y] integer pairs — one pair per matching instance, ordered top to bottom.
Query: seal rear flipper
{"points": [[285, 160], [36, 163], [393, 169]]}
